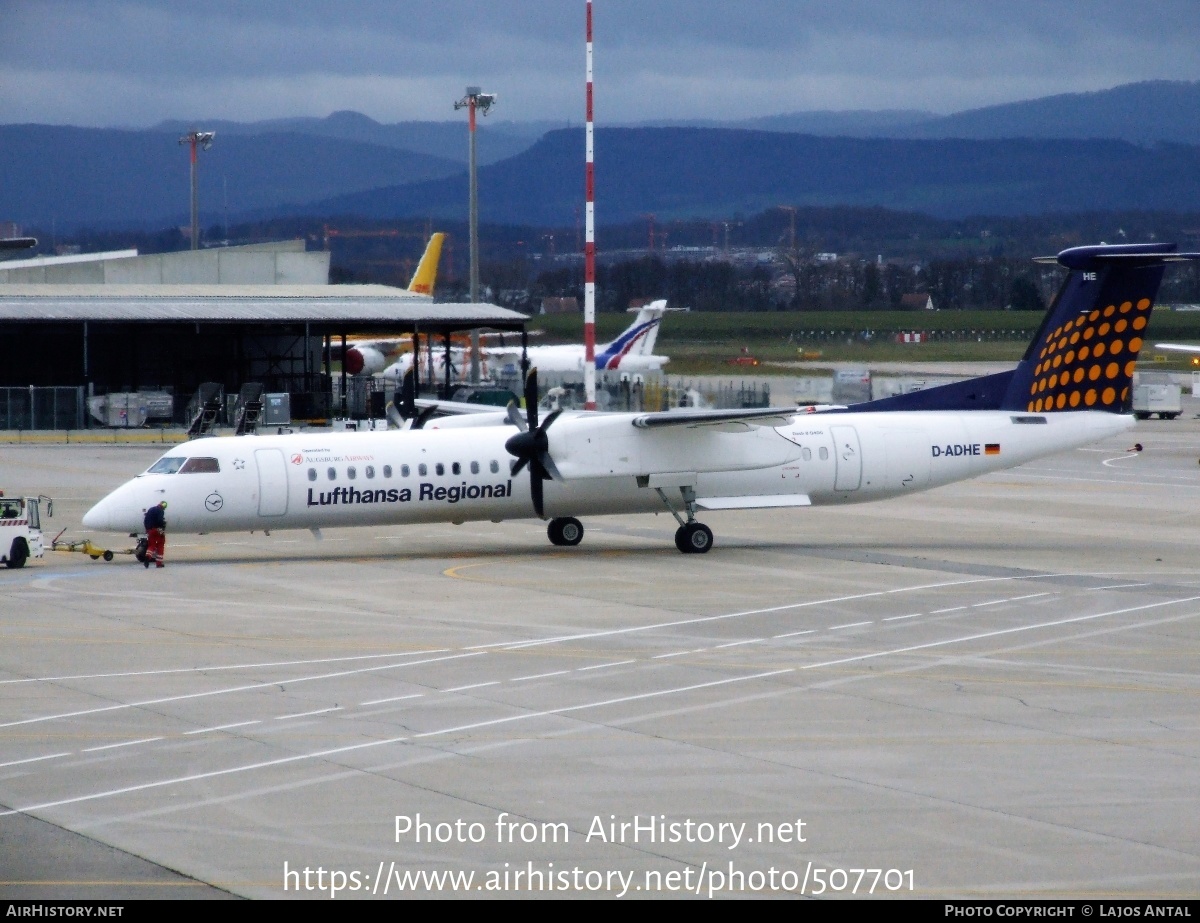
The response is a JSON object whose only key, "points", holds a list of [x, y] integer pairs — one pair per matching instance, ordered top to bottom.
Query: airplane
{"points": [[1187, 348], [631, 351], [361, 354], [1071, 388]]}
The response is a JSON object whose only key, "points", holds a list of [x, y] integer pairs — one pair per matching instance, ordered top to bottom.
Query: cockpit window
{"points": [[166, 465], [201, 466]]}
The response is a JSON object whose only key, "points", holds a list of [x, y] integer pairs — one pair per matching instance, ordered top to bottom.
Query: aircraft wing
{"points": [[1178, 347], [454, 408], [461, 415], [771, 416]]}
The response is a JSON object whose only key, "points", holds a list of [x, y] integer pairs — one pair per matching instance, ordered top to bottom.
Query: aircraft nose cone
{"points": [[118, 512], [98, 516]]}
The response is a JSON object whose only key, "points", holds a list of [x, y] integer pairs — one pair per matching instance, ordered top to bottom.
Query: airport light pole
{"points": [[475, 99], [202, 139], [589, 253]]}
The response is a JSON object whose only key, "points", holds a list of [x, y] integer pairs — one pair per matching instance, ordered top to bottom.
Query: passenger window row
{"points": [[369, 472]]}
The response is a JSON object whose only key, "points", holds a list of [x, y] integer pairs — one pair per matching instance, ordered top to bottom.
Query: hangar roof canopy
{"points": [[332, 307]]}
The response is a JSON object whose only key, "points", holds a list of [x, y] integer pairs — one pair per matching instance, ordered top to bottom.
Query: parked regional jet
{"points": [[632, 351], [363, 353], [1071, 388]]}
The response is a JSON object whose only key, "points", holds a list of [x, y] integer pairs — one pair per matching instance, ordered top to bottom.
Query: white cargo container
{"points": [[1163, 399]]}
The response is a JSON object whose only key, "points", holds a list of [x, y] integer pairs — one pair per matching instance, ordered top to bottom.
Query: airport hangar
{"points": [[103, 323]]}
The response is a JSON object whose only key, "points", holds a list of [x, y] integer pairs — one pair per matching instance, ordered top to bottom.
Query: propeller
{"points": [[532, 447]]}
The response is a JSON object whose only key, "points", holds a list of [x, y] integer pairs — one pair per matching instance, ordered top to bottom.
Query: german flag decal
{"points": [[991, 448]]}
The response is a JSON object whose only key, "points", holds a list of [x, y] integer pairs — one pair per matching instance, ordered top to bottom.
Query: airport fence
{"points": [[925, 335], [650, 392], [42, 408]]}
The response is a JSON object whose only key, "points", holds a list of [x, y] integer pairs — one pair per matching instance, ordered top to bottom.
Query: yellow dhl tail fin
{"points": [[426, 274]]}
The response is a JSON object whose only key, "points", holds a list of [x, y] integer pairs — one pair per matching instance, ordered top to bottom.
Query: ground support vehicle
{"points": [[21, 529]]}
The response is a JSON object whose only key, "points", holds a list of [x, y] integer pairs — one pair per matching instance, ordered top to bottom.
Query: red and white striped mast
{"points": [[589, 247]]}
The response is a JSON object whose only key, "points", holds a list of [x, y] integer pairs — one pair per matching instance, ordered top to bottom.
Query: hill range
{"points": [[1132, 147]]}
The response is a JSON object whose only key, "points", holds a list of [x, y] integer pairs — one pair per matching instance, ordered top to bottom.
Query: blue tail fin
{"points": [[638, 338], [1085, 351]]}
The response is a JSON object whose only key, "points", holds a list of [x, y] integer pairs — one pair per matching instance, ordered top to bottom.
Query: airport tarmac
{"points": [[984, 691]]}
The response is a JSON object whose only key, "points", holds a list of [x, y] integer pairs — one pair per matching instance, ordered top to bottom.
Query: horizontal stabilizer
{"points": [[763, 502]]}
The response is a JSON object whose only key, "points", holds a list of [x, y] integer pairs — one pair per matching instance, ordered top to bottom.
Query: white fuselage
{"points": [[314, 480]]}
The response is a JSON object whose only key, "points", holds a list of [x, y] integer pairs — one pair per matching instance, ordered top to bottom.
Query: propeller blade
{"points": [[408, 395], [531, 398], [423, 417], [514, 417], [545, 464], [535, 492]]}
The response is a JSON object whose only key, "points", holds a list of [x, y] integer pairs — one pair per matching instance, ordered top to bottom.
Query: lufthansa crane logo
{"points": [[213, 502]]}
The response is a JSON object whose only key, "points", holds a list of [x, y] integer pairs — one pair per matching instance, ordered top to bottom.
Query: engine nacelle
{"points": [[364, 360]]}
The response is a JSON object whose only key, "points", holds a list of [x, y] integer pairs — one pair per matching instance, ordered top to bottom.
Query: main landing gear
{"points": [[565, 530], [691, 537]]}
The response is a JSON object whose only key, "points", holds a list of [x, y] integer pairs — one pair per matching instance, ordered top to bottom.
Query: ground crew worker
{"points": [[156, 534]]}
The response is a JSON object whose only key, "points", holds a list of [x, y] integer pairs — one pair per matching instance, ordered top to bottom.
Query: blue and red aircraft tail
{"points": [[638, 338], [1085, 351]]}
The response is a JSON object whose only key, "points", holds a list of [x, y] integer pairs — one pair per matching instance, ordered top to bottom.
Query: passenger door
{"points": [[849, 457], [272, 482]]}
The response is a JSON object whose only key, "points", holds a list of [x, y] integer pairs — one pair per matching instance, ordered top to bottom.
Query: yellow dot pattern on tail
{"points": [[1089, 360]]}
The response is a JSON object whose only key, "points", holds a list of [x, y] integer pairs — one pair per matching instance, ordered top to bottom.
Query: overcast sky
{"points": [[136, 62]]}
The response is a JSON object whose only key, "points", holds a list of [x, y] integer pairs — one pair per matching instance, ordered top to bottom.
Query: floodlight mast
{"points": [[475, 99], [204, 139], [589, 259]]}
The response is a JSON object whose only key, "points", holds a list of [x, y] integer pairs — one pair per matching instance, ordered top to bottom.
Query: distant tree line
{"points": [[762, 262], [800, 284]]}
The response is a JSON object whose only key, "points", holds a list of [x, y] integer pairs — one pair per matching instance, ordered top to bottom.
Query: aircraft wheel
{"points": [[566, 530], [694, 538], [18, 554]]}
